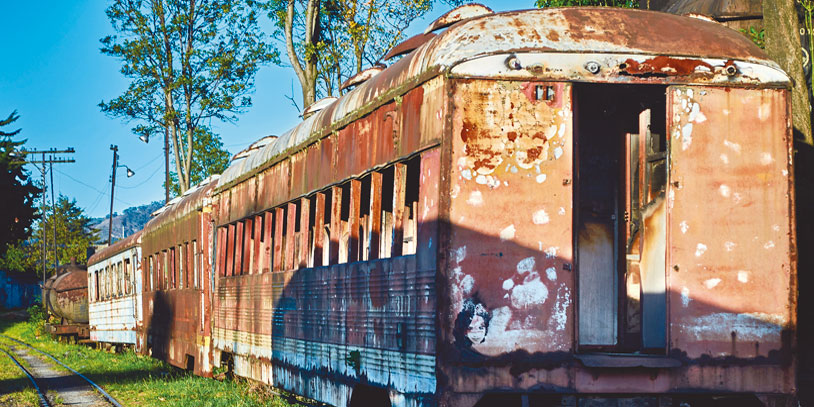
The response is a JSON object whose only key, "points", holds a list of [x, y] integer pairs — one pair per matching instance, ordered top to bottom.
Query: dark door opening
{"points": [[621, 173]]}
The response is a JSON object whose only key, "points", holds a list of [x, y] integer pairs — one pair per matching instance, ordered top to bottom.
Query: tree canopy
{"points": [[329, 41], [189, 62], [211, 159], [17, 211], [74, 235]]}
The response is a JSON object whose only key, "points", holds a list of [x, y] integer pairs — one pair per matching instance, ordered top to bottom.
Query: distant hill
{"points": [[126, 223]]}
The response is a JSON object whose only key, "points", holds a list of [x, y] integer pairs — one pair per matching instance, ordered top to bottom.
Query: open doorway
{"points": [[621, 175]]}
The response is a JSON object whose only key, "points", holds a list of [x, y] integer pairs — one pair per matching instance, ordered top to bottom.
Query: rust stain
{"points": [[664, 66]]}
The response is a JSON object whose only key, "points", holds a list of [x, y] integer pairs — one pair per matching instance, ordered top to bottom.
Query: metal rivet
{"points": [[513, 63], [593, 67], [731, 70]]}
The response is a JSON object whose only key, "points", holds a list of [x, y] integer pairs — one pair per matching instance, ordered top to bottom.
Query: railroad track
{"points": [[44, 400]]}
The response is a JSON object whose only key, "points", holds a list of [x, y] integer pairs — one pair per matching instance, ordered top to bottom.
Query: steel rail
{"points": [[101, 391], [43, 400]]}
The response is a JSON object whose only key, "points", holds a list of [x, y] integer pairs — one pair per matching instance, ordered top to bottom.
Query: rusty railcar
{"points": [[557, 206], [114, 281], [177, 282]]}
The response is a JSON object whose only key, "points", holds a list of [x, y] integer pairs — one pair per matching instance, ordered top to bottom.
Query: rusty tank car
{"points": [[576, 206], [65, 296]]}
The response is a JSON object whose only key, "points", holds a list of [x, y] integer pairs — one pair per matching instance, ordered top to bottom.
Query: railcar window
{"points": [[182, 267], [164, 270], [126, 276], [119, 279], [195, 283], [96, 284], [151, 286]]}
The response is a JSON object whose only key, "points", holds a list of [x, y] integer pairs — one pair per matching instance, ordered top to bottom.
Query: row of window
{"points": [[371, 217], [176, 267], [115, 280]]}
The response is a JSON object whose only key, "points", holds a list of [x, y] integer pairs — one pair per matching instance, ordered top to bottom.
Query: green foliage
{"points": [[595, 3], [757, 36], [347, 37], [189, 62], [212, 159], [17, 211], [74, 235]]}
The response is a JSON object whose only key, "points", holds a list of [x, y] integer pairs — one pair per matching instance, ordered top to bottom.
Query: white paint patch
{"points": [[694, 110], [726, 112], [763, 112], [561, 131], [686, 136], [733, 146], [557, 152], [724, 158], [766, 159], [785, 173], [467, 174], [540, 178], [481, 179], [456, 189], [724, 191], [737, 197], [475, 198], [561, 211], [540, 217], [684, 226], [776, 228], [507, 233], [768, 245], [729, 246], [700, 249], [551, 252], [460, 254], [526, 265], [551, 273], [743, 276], [467, 283], [712, 283], [508, 284], [532, 292], [685, 297], [560, 315], [746, 327]]}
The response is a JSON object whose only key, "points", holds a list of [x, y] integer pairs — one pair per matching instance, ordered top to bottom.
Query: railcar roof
{"points": [[565, 30], [182, 205], [116, 248]]}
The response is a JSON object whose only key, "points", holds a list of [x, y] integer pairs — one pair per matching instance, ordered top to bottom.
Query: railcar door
{"points": [[620, 221]]}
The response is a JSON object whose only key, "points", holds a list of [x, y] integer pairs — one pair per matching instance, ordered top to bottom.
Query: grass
{"points": [[134, 380], [15, 388]]}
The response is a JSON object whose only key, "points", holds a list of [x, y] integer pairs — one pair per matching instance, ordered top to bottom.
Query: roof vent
{"points": [[461, 13], [409, 45], [361, 77], [318, 105], [254, 146]]}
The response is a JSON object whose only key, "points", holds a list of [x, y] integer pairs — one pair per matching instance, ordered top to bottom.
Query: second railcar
{"points": [[176, 259]]}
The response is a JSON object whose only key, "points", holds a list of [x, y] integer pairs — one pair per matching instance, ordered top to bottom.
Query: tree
{"points": [[597, 3], [782, 40], [329, 41], [190, 61], [212, 158], [17, 211], [75, 235]]}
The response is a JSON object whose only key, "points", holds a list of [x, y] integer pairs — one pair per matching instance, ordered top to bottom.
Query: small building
{"points": [[18, 291]]}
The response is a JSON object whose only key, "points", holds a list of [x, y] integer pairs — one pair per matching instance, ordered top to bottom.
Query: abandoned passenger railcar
{"points": [[543, 206], [177, 282], [115, 293]]}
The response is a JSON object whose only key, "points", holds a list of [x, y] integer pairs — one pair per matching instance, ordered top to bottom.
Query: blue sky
{"points": [[53, 74]]}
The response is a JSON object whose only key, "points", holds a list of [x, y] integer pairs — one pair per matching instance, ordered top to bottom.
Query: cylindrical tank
{"points": [[66, 294]]}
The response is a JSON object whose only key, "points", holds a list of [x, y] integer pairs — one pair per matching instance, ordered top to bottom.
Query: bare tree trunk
{"points": [[783, 46], [306, 74]]}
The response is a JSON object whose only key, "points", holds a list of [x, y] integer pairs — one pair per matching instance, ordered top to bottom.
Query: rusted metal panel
{"points": [[458, 14], [408, 45], [410, 121], [386, 132], [300, 173], [273, 186], [399, 192], [428, 207], [354, 221], [336, 223], [290, 231], [375, 231], [268, 234], [320, 242], [239, 247], [230, 250], [303, 252], [257, 254], [277, 257], [509, 260], [730, 263]]}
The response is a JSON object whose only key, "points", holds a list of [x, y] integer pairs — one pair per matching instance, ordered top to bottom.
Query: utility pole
{"points": [[51, 160], [130, 173], [112, 190]]}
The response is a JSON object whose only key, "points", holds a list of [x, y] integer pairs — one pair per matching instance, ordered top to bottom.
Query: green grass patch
{"points": [[133, 379], [15, 388]]}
